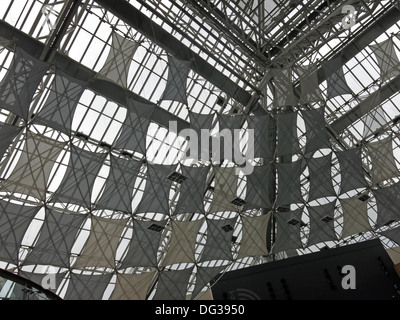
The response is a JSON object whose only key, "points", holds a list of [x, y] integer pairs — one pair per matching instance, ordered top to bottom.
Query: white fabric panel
{"points": [[119, 58], [387, 59], [178, 72], [283, 87], [310, 91], [382, 159], [32, 171], [225, 189], [388, 204], [355, 216], [321, 230], [287, 234], [254, 236], [182, 244], [101, 246], [172, 285], [132, 286], [87, 287]]}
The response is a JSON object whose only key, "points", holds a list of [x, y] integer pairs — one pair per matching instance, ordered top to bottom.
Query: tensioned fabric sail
{"points": [[388, 61], [116, 66], [178, 71], [308, 77], [336, 81], [20, 83], [283, 87], [59, 109], [374, 115], [199, 122], [227, 124], [134, 129], [7, 133], [316, 133], [263, 139], [288, 142], [382, 160], [351, 170], [31, 173], [320, 177], [77, 183], [259, 187], [289, 187], [225, 190], [118, 192], [156, 192], [191, 198], [388, 204], [355, 216], [14, 221], [321, 223], [288, 226], [392, 234], [254, 236], [56, 238], [183, 240], [218, 240], [144, 244], [101, 246], [203, 276], [49, 277], [172, 285], [132, 286], [87, 287]]}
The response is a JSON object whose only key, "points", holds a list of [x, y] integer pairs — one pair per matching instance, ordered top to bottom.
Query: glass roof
{"points": [[239, 41]]}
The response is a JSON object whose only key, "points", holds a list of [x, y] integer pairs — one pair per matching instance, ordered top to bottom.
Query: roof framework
{"points": [[231, 46]]}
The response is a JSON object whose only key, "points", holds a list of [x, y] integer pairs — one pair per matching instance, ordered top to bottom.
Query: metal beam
{"points": [[140, 22], [105, 88]]}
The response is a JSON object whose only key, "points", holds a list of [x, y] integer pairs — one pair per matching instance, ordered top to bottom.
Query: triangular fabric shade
{"points": [[119, 58], [388, 61], [178, 72], [336, 81], [20, 83], [283, 87], [310, 91], [59, 108], [134, 129], [316, 133], [7, 134], [263, 139], [288, 143], [382, 160], [351, 170], [32, 171], [320, 177], [226, 182], [120, 183], [76, 186], [289, 188], [192, 190], [260, 192], [156, 193], [388, 204], [355, 216], [14, 221], [321, 223], [288, 226], [392, 234], [254, 236], [56, 239], [219, 239], [183, 241], [144, 244], [101, 246], [203, 276], [40, 278], [172, 285], [132, 286], [87, 287]]}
